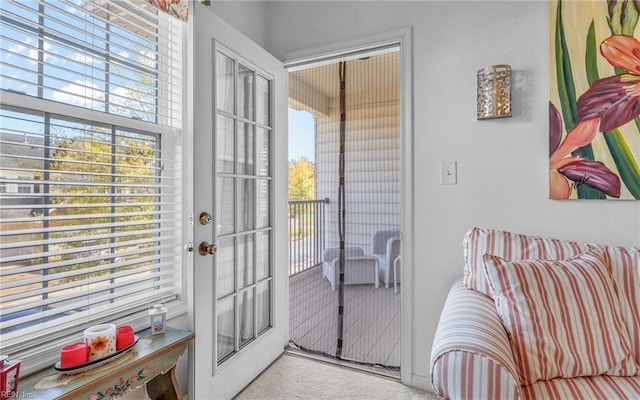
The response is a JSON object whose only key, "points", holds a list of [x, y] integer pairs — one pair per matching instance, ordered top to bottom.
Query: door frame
{"points": [[403, 39]]}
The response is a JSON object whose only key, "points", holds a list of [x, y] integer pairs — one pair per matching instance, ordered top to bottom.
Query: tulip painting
{"points": [[594, 109]]}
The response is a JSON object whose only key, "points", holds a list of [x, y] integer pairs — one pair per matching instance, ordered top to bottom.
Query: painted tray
{"points": [[96, 363]]}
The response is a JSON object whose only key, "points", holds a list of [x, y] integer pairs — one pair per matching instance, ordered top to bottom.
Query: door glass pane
{"points": [[224, 80], [245, 92], [263, 95], [225, 145], [245, 149], [262, 152], [243, 204], [246, 204], [225, 205], [262, 219], [246, 245], [263, 258], [225, 261], [263, 297], [245, 316], [226, 328]]}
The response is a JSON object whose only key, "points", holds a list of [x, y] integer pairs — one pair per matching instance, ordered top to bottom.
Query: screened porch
{"points": [[371, 322]]}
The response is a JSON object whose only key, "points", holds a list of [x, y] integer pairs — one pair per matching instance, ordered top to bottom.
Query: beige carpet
{"points": [[295, 377]]}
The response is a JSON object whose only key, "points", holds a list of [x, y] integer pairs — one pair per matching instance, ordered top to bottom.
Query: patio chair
{"points": [[379, 246], [330, 254], [391, 254], [357, 270], [396, 273]]}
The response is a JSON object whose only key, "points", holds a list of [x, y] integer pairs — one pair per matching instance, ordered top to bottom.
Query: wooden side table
{"points": [[151, 362]]}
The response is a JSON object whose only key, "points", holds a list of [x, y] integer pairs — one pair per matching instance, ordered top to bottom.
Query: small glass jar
{"points": [[157, 318]]}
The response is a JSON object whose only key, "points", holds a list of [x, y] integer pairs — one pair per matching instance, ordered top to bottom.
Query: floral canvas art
{"points": [[175, 8], [594, 107]]}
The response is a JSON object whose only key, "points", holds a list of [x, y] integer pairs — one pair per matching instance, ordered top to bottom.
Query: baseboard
{"points": [[421, 382]]}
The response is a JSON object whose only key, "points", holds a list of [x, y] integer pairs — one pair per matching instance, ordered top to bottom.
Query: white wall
{"points": [[250, 18], [502, 164]]}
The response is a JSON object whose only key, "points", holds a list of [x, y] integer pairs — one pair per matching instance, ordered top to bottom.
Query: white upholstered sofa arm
{"points": [[471, 357]]}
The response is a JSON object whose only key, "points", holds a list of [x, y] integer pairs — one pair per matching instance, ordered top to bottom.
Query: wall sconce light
{"points": [[494, 92]]}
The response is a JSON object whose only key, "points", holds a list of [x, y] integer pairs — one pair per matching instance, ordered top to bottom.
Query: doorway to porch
{"points": [[371, 172]]}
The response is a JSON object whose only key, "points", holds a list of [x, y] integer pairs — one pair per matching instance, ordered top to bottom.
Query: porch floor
{"points": [[371, 318]]}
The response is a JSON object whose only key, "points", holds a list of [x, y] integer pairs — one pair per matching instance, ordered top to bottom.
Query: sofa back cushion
{"points": [[511, 247], [624, 266], [563, 317]]}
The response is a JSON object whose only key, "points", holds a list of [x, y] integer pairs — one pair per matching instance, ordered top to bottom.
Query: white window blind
{"points": [[119, 57], [90, 164]]}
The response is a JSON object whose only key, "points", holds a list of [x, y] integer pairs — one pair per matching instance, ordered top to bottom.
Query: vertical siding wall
{"points": [[372, 163]]}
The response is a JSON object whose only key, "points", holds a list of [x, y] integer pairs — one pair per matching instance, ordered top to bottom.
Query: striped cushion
{"points": [[511, 247], [624, 264], [562, 316], [601, 387]]}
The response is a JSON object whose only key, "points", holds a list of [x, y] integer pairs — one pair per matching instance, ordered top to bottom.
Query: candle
{"points": [[124, 336], [101, 340], [73, 355]]}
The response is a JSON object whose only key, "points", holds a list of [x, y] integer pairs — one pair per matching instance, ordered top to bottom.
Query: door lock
{"points": [[205, 218], [206, 248]]}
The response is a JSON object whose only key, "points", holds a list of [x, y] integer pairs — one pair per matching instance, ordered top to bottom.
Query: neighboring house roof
{"points": [[11, 153], [17, 155]]}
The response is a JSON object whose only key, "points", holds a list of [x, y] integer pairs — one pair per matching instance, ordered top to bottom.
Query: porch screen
{"points": [[355, 321]]}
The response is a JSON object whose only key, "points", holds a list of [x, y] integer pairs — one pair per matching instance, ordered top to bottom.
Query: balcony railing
{"points": [[306, 234]]}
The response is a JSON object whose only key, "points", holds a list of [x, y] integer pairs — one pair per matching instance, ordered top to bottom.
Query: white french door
{"points": [[240, 178]]}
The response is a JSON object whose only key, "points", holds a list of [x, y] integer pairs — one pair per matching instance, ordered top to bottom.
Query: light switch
{"points": [[448, 173]]}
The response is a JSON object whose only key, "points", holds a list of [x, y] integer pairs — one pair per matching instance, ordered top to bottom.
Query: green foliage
{"points": [[567, 95], [105, 176], [302, 180]]}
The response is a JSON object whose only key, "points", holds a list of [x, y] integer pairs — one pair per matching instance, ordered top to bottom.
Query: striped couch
{"points": [[473, 354]]}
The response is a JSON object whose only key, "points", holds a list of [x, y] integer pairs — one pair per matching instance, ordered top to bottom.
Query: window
{"points": [[90, 138], [24, 187]]}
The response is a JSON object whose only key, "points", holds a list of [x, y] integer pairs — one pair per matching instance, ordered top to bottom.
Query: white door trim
{"points": [[402, 38]]}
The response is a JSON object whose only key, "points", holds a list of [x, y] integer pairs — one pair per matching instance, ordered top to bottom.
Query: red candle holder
{"points": [[124, 337], [73, 355], [9, 375]]}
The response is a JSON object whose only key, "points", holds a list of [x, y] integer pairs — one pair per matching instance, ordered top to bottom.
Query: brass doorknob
{"points": [[205, 218], [206, 248]]}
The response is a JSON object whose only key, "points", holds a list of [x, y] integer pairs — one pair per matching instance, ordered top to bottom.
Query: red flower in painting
{"points": [[615, 99], [608, 104], [563, 168]]}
